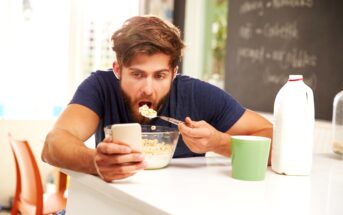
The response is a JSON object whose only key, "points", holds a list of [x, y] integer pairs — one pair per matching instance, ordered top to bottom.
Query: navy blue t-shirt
{"points": [[188, 97]]}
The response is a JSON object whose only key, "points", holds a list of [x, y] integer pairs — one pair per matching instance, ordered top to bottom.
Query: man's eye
{"points": [[137, 74], [160, 76]]}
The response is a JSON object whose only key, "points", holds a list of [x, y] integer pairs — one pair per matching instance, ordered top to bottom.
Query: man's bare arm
{"points": [[250, 123], [201, 137], [64, 145]]}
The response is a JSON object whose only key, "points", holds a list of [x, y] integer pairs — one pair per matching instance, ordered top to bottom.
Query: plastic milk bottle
{"points": [[337, 124], [293, 128]]}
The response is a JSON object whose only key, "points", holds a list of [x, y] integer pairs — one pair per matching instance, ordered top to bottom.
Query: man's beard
{"points": [[134, 113]]}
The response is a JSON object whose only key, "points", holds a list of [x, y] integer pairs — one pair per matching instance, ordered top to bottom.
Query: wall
{"points": [[322, 134]]}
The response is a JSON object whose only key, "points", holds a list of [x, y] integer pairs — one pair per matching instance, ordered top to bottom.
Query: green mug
{"points": [[249, 157]]}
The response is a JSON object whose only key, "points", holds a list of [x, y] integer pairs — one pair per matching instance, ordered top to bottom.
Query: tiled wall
{"points": [[322, 135]]}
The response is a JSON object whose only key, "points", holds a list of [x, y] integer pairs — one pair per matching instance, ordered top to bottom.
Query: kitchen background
{"points": [[48, 47]]}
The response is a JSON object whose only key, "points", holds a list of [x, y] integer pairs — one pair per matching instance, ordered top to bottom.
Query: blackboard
{"points": [[270, 39]]}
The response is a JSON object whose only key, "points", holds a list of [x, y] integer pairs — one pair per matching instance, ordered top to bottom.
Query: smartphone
{"points": [[129, 133]]}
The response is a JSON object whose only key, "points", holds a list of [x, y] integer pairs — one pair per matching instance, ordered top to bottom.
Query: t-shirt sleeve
{"points": [[89, 94], [218, 107]]}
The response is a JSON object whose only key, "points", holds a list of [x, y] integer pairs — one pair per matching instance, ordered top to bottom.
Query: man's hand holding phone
{"points": [[119, 155]]}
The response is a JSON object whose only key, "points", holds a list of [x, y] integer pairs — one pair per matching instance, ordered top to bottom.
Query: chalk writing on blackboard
{"points": [[258, 6], [285, 31], [270, 39], [294, 58], [269, 77]]}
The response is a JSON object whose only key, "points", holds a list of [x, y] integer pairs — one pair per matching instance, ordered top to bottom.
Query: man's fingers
{"points": [[189, 122], [194, 124], [194, 132], [197, 135], [108, 139], [195, 142], [192, 145], [110, 148], [106, 159], [116, 169], [121, 171], [122, 176], [117, 177]]}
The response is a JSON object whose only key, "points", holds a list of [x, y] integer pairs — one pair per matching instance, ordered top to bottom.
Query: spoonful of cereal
{"points": [[151, 113]]}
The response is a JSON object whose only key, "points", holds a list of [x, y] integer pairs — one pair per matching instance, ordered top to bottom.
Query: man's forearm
{"points": [[267, 132], [224, 147], [63, 150]]}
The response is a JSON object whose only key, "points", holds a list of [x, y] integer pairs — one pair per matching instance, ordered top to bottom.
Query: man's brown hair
{"points": [[147, 35]]}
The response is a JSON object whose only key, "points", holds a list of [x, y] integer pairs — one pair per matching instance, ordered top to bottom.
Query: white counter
{"points": [[205, 186]]}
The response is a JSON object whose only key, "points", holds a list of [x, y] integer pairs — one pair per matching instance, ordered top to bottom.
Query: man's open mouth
{"points": [[149, 104]]}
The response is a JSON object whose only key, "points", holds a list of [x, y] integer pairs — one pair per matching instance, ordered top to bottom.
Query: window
{"points": [[205, 36], [47, 47], [34, 58]]}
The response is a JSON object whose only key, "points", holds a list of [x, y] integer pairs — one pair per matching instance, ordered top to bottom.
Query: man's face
{"points": [[147, 80]]}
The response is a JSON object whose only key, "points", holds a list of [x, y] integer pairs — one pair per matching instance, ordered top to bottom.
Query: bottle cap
{"points": [[295, 78]]}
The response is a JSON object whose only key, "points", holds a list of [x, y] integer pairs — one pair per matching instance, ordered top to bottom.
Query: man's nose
{"points": [[148, 86]]}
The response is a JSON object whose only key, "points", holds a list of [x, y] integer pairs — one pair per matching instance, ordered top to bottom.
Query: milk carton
{"points": [[293, 135]]}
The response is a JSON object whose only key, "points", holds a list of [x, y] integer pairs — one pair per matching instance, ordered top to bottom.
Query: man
{"points": [[148, 51]]}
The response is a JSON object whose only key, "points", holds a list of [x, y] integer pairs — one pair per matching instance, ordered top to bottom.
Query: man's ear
{"points": [[116, 70], [175, 72]]}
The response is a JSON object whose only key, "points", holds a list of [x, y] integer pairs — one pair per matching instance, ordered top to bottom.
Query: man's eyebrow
{"points": [[139, 70]]}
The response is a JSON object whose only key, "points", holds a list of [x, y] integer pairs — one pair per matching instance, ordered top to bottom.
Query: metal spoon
{"points": [[151, 113], [165, 118], [170, 119]]}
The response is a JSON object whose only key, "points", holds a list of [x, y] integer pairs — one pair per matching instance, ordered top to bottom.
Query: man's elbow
{"points": [[46, 154]]}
